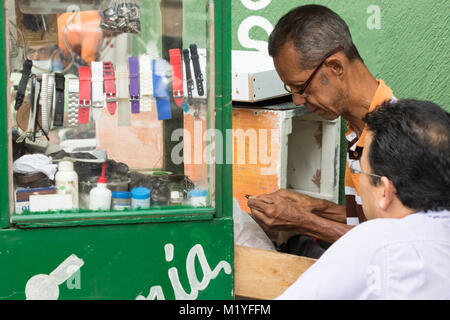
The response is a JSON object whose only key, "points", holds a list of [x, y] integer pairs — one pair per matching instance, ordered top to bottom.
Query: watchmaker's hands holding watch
{"points": [[286, 210]]}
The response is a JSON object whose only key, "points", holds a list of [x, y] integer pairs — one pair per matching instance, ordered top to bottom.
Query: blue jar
{"points": [[140, 198], [121, 200]]}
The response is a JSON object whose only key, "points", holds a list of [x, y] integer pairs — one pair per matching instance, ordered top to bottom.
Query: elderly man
{"points": [[315, 57], [403, 251]]}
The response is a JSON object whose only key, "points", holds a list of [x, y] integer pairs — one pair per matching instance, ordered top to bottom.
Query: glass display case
{"points": [[111, 109]]}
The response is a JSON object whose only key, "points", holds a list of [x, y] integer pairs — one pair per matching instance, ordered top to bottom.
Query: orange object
{"points": [[83, 33]]}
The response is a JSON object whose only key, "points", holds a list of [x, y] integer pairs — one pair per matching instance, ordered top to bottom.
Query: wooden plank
{"points": [[263, 274]]}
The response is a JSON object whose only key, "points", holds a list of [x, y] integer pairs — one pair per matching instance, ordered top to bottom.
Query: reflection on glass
{"points": [[120, 88]]}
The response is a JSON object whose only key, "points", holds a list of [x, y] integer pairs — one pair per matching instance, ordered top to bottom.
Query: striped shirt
{"points": [[355, 214]]}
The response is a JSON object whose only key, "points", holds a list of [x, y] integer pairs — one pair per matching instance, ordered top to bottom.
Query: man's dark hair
{"points": [[315, 31], [411, 146]]}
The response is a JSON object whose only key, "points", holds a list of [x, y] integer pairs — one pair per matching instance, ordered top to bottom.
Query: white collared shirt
{"points": [[406, 258]]}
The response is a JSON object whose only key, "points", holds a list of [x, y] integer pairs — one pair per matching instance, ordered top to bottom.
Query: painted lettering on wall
{"points": [[254, 21], [374, 21], [195, 284], [46, 286]]}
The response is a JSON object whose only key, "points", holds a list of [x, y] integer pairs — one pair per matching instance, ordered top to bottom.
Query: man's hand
{"points": [[282, 210], [286, 210]]}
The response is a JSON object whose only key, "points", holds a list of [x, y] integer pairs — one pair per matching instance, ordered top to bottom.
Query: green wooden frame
{"points": [[223, 172]]}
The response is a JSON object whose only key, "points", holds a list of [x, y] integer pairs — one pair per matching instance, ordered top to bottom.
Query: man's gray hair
{"points": [[315, 31]]}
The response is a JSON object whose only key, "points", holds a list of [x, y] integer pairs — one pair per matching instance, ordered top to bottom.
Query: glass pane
{"points": [[111, 104]]}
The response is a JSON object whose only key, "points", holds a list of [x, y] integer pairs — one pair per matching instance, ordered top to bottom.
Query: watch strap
{"points": [[197, 70], [26, 71], [188, 73], [177, 76], [145, 82], [134, 83], [110, 87], [73, 89], [160, 89], [50, 90], [84, 98], [98, 98], [44, 103], [123, 103], [58, 119]]}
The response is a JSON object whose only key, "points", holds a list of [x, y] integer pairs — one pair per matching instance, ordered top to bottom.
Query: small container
{"points": [[66, 181], [100, 196], [198, 197], [140, 198], [176, 198], [121, 200]]}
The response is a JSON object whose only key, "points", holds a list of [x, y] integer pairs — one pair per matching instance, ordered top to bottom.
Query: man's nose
{"points": [[298, 99]]}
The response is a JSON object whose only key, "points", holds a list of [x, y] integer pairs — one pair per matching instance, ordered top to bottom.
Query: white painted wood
{"points": [[254, 77]]}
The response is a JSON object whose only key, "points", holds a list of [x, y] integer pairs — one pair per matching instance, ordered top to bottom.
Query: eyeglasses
{"points": [[44, 51], [305, 85], [355, 168]]}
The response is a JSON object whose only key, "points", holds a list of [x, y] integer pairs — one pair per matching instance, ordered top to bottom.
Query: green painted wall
{"points": [[410, 51], [122, 262]]}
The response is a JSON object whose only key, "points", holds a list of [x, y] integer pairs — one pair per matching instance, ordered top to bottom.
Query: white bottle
{"points": [[66, 181], [100, 196]]}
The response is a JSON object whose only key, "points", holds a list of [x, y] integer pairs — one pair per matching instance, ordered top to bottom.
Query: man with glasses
{"points": [[315, 57], [403, 251]]}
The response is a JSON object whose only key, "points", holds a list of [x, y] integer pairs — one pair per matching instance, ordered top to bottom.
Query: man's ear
{"points": [[336, 66], [388, 193]]}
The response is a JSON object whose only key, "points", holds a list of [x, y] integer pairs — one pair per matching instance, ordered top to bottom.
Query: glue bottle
{"points": [[100, 196]]}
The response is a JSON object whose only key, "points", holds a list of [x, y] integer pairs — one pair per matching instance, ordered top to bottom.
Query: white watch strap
{"points": [[145, 82], [50, 89], [74, 90], [123, 95], [98, 97], [44, 103]]}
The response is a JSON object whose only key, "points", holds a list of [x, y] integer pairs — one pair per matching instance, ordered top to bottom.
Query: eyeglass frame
{"points": [[305, 85], [356, 170]]}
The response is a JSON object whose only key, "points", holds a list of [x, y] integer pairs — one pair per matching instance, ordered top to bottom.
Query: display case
{"points": [[111, 115]]}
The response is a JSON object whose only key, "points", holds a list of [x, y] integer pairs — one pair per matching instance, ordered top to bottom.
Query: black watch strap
{"points": [[197, 70], [26, 71], [189, 80], [58, 119]]}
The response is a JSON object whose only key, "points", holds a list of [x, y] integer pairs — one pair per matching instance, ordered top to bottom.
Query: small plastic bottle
{"points": [[66, 181], [100, 196], [140, 198]]}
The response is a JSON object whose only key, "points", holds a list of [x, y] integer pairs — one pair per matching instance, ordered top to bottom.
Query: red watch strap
{"points": [[177, 76], [84, 78], [110, 87]]}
